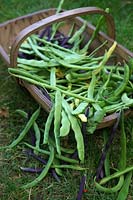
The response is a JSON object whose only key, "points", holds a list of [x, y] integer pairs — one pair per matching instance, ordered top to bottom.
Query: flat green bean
{"points": [[38, 53], [32, 62], [53, 77], [92, 87], [80, 108], [57, 119], [65, 124], [48, 125], [77, 130], [37, 135], [74, 167]]}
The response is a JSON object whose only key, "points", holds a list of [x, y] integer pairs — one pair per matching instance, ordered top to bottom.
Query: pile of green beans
{"points": [[76, 81]]}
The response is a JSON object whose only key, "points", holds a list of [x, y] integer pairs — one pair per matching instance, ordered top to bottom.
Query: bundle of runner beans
{"points": [[83, 89]]}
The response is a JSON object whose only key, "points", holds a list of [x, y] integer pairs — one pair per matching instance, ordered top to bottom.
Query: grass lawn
{"points": [[14, 97]]}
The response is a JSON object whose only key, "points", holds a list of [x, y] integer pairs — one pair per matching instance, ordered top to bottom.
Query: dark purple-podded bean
{"points": [[106, 148], [81, 188]]}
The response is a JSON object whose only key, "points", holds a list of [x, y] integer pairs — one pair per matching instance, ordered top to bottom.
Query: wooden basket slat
{"points": [[10, 29]]}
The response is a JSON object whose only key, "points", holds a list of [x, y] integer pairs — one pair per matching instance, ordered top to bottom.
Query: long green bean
{"points": [[78, 33], [94, 34], [38, 53], [106, 58], [53, 77], [37, 81], [57, 119], [48, 125], [25, 130], [77, 131], [37, 135], [123, 143], [61, 157], [107, 161], [43, 173], [116, 175], [110, 189], [124, 190]]}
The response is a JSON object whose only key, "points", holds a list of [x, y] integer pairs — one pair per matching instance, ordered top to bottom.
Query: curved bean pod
{"points": [[25, 130], [43, 173], [111, 189]]}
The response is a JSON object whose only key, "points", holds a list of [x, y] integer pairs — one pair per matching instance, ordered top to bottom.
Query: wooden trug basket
{"points": [[14, 32]]}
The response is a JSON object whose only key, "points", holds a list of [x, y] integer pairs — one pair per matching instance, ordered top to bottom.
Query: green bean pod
{"points": [[95, 32], [78, 33], [42, 56], [105, 58], [32, 62], [53, 77], [34, 79], [122, 86], [91, 87], [80, 109], [22, 113], [57, 119], [65, 124], [48, 125], [25, 130], [77, 130], [37, 135], [123, 144], [64, 150], [61, 157], [107, 161], [56, 163], [74, 167], [43, 173], [116, 175], [110, 189], [124, 190]]}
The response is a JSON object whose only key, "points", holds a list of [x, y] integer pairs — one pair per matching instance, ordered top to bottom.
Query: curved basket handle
{"points": [[56, 18]]}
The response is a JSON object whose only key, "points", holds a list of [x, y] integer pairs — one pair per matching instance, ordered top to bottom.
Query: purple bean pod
{"points": [[106, 148], [31, 170], [81, 188]]}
